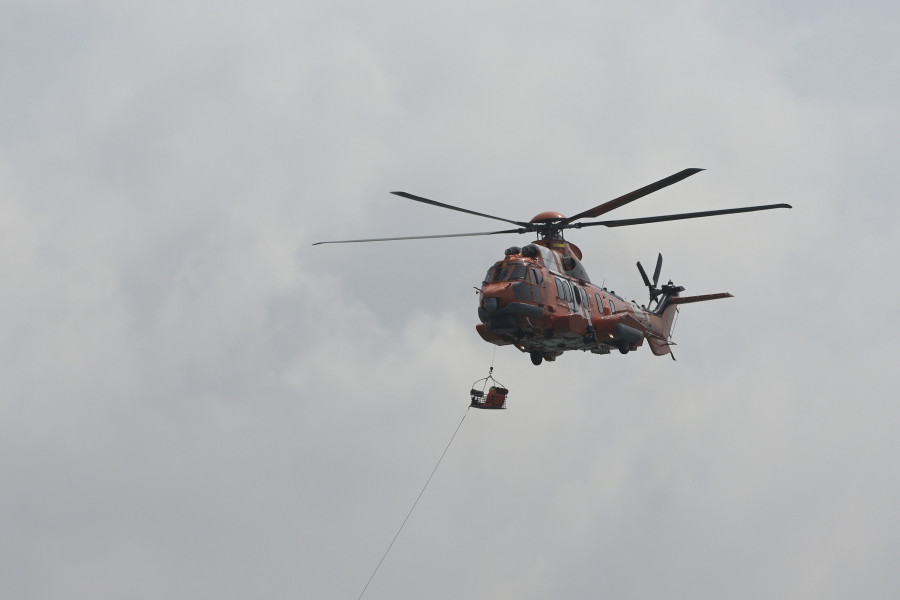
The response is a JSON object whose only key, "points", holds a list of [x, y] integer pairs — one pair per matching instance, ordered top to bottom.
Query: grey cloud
{"points": [[194, 401]]}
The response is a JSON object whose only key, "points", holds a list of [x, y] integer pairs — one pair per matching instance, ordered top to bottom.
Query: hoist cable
{"points": [[396, 535]]}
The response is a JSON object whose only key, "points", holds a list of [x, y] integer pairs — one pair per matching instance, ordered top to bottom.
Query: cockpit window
{"points": [[499, 273], [496, 274]]}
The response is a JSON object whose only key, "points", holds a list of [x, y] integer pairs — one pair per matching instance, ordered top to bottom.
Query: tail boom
{"points": [[661, 343]]}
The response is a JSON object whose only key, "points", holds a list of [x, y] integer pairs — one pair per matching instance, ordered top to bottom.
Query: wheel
{"points": [[624, 347], [536, 358]]}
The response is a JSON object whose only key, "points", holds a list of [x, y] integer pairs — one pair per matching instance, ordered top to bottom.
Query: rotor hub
{"points": [[548, 216]]}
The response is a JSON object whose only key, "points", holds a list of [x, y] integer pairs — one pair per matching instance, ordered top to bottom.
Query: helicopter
{"points": [[540, 299]]}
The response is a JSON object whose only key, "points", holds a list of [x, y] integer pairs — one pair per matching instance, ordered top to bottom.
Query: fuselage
{"points": [[540, 299]]}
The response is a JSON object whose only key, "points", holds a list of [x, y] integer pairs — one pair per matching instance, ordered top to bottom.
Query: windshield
{"points": [[502, 273]]}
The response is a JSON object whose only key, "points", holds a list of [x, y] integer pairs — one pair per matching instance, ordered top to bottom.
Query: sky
{"points": [[196, 402]]}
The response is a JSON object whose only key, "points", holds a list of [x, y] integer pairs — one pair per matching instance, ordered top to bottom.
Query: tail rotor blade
{"points": [[658, 269], [644, 274]]}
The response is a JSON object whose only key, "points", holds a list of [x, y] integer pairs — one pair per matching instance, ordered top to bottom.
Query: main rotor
{"points": [[550, 225]]}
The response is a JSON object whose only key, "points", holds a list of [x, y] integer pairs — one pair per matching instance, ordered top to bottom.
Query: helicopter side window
{"points": [[536, 277], [565, 292], [577, 294], [599, 303], [612, 307]]}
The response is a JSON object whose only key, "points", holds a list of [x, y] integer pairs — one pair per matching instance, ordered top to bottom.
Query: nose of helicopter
{"points": [[495, 295], [493, 299], [499, 308]]}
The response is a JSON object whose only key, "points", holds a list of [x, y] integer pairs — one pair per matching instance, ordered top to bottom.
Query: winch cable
{"points": [[396, 535]]}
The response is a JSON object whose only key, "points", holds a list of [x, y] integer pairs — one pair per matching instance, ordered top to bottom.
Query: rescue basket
{"points": [[495, 397]]}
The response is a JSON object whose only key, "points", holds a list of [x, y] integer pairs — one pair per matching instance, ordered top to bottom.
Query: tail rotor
{"points": [[654, 291]]}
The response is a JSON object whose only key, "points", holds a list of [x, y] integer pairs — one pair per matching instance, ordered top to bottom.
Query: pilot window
{"points": [[518, 272], [499, 273]]}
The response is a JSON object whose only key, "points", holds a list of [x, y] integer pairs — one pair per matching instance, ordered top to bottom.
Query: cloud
{"points": [[195, 401]]}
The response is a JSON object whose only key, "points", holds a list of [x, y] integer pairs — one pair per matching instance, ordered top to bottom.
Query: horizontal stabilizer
{"points": [[704, 298]]}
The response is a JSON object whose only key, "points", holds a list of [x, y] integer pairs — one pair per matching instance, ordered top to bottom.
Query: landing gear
{"points": [[624, 347], [536, 358]]}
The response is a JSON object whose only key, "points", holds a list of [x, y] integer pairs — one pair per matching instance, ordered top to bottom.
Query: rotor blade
{"points": [[632, 196], [451, 207], [693, 215], [422, 237], [658, 269], [643, 274]]}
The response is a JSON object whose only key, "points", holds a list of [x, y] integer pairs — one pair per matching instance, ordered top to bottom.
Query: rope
{"points": [[491, 371], [391, 545]]}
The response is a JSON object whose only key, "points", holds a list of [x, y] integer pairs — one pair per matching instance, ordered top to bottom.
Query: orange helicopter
{"points": [[540, 299]]}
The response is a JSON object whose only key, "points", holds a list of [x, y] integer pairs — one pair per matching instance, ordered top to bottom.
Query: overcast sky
{"points": [[197, 403]]}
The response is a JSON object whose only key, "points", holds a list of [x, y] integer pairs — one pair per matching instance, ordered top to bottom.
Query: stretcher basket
{"points": [[495, 398]]}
